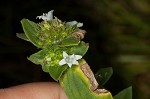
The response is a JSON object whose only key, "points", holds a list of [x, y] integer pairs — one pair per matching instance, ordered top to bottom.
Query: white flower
{"points": [[46, 16], [75, 23], [79, 24], [70, 59]]}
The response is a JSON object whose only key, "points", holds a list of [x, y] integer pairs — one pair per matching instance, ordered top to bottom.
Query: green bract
{"points": [[60, 46]]}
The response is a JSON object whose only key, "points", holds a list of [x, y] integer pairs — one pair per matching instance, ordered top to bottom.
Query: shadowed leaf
{"points": [[103, 75], [125, 94]]}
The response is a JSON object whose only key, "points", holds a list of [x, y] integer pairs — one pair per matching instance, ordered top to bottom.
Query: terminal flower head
{"points": [[46, 16], [70, 59]]}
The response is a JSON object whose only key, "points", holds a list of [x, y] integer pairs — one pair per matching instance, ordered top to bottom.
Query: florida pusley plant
{"points": [[60, 54]]}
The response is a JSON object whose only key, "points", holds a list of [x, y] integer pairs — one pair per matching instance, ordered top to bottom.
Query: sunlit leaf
{"points": [[30, 28], [70, 41], [80, 49], [38, 57], [45, 67], [56, 71]]}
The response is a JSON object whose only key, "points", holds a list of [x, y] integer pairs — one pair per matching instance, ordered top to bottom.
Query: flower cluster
{"points": [[49, 16], [60, 43], [67, 59]]}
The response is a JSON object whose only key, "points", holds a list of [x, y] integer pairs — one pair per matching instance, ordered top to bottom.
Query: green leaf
{"points": [[30, 28], [22, 36], [70, 41], [80, 49], [38, 57], [45, 68], [56, 71], [103, 75], [77, 85], [125, 94]]}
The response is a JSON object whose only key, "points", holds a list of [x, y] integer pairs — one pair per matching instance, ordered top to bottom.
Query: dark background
{"points": [[118, 32]]}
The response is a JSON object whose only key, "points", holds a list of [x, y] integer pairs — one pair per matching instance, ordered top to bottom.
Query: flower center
{"points": [[69, 59]]}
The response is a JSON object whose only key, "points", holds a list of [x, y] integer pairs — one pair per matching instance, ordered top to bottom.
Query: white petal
{"points": [[50, 15], [40, 17], [43, 17], [72, 22], [75, 23], [79, 24], [65, 54], [72, 56], [77, 57], [62, 62], [75, 62], [69, 64]]}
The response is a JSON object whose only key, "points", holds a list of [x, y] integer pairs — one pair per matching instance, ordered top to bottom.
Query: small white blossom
{"points": [[46, 16], [72, 22], [75, 23], [79, 24], [70, 59]]}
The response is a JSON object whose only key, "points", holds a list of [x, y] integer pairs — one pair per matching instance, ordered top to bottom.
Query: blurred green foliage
{"points": [[117, 31]]}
